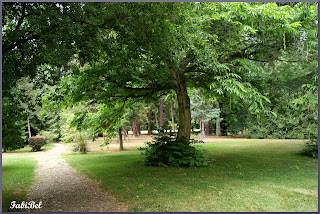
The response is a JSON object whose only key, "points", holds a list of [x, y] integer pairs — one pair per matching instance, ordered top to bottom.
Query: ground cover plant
{"points": [[248, 175], [17, 176]]}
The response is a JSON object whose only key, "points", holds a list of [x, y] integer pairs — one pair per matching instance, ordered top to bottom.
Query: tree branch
{"points": [[23, 13], [9, 46], [282, 60]]}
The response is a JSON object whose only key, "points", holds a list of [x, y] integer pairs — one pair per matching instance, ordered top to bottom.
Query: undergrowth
{"points": [[311, 148]]}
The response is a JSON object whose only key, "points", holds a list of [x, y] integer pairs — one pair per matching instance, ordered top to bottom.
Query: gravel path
{"points": [[62, 189]]}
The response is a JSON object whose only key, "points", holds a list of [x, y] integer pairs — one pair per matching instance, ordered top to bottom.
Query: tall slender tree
{"points": [[161, 114]]}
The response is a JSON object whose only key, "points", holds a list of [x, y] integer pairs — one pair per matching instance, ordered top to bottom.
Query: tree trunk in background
{"points": [[184, 111], [161, 114], [156, 116], [172, 117], [149, 122], [218, 128], [134, 129], [138, 129], [208, 129], [29, 130], [202, 131], [125, 134], [201, 134], [120, 139]]}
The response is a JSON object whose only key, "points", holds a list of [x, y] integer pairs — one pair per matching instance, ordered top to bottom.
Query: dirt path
{"points": [[62, 189]]}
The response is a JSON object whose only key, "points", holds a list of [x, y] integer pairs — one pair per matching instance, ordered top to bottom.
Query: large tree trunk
{"points": [[184, 111], [161, 114], [156, 116], [172, 117], [149, 122], [29, 129], [134, 129], [208, 129], [120, 139]]}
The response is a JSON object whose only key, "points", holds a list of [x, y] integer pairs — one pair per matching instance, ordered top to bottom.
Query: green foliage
{"points": [[118, 51], [294, 102], [202, 109], [95, 119], [288, 125], [68, 133], [13, 134], [50, 135], [37, 142], [106, 142], [81, 144], [311, 148], [165, 151]]}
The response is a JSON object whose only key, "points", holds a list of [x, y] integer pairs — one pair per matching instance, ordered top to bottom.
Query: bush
{"points": [[37, 142], [81, 145], [311, 148], [165, 151]]}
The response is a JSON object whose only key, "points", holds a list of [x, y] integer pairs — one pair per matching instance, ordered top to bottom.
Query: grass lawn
{"points": [[26, 151], [18, 174], [246, 175]]}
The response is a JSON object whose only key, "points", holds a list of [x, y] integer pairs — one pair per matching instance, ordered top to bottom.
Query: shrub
{"points": [[37, 142], [81, 145], [311, 148], [166, 151]]}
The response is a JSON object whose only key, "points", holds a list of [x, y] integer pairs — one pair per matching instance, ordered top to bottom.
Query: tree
{"points": [[32, 35], [162, 52], [171, 98], [28, 102], [202, 110], [161, 113], [136, 114], [172, 117], [109, 119], [149, 121], [208, 129], [13, 135]]}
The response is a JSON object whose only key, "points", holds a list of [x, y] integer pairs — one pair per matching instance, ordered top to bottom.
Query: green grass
{"points": [[28, 149], [260, 175], [17, 176]]}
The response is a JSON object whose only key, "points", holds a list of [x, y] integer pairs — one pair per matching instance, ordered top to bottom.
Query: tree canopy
{"points": [[104, 53]]}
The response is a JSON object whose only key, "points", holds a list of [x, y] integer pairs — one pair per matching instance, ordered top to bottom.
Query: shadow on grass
{"points": [[239, 174]]}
